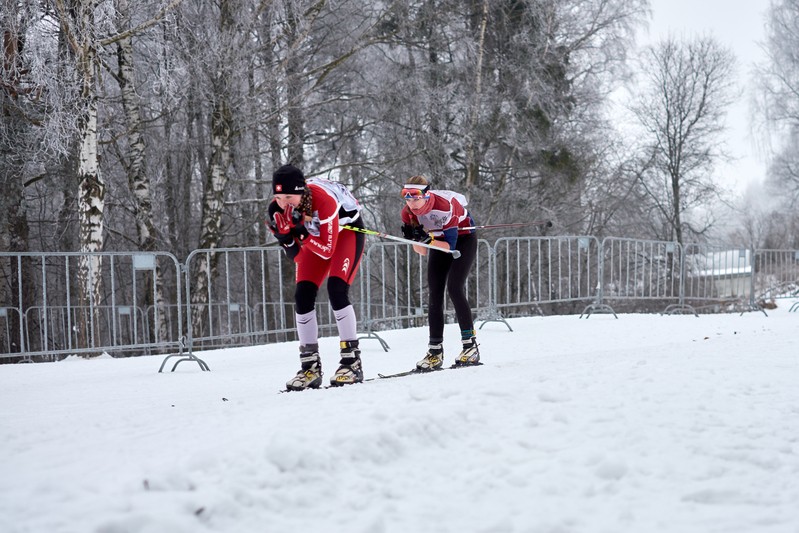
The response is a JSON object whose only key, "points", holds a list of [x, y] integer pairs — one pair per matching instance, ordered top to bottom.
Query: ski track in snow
{"points": [[642, 424]]}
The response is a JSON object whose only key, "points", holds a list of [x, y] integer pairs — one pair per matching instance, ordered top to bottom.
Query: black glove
{"points": [[298, 230], [415, 233], [285, 239], [291, 249]]}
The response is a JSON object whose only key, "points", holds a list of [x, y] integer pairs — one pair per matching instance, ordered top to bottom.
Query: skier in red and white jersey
{"points": [[439, 218], [306, 219]]}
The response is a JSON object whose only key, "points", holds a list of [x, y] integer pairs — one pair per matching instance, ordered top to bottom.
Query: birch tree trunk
{"points": [[77, 24], [138, 179], [215, 183], [213, 204], [91, 205]]}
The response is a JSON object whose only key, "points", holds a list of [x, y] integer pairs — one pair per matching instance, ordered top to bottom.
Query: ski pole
{"points": [[547, 223], [455, 253]]}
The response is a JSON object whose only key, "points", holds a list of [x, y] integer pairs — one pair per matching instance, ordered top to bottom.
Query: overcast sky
{"points": [[737, 24]]}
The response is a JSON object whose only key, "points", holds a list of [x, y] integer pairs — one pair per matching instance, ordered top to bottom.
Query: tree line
{"points": [[155, 124]]}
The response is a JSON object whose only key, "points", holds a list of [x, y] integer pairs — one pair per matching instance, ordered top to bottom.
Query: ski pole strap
{"points": [[455, 253]]}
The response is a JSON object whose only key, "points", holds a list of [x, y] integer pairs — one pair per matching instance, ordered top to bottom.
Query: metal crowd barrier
{"points": [[530, 272], [645, 272], [776, 274], [652, 275], [718, 277], [395, 279], [245, 296], [148, 303], [59, 304], [118, 326]]}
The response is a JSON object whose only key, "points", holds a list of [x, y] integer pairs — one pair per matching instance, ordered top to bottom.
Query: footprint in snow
{"points": [[551, 397]]}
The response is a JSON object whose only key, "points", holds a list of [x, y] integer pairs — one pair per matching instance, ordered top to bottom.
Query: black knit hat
{"points": [[288, 179]]}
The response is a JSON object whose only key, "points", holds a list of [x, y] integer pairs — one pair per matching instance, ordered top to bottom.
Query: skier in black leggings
{"points": [[437, 218]]}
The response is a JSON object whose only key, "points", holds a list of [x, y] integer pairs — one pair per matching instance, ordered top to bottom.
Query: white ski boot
{"points": [[470, 355], [433, 360], [350, 370], [310, 375]]}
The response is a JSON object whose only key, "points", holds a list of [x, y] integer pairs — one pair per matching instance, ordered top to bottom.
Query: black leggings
{"points": [[443, 271]]}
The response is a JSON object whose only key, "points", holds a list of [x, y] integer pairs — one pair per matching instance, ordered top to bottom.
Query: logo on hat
{"points": [[278, 187]]}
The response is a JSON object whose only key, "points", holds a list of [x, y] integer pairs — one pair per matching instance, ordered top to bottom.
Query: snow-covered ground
{"points": [[640, 424]]}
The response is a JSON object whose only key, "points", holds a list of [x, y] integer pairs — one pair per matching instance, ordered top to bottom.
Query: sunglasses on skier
{"points": [[415, 194]]}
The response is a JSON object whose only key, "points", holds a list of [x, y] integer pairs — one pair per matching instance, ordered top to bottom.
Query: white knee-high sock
{"points": [[346, 323], [307, 328]]}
